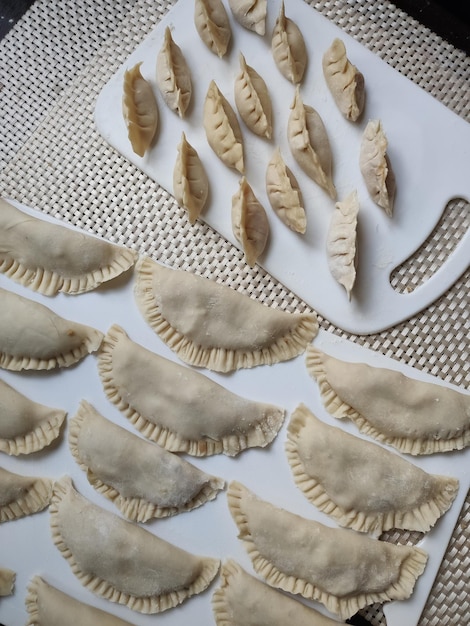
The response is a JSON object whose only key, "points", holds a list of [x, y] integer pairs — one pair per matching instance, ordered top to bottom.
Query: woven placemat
{"points": [[53, 159]]}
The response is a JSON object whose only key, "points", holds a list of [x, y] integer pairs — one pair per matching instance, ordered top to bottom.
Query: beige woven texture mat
{"points": [[54, 64]]}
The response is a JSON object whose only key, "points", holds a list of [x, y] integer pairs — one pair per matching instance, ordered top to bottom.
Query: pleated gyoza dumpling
{"points": [[251, 14], [212, 24], [288, 48], [173, 75], [344, 80], [253, 100], [140, 110], [222, 129], [309, 144], [375, 166], [190, 182], [284, 194], [250, 223], [341, 238], [75, 263], [211, 325], [35, 338], [179, 408], [414, 416], [26, 426], [142, 479], [359, 483], [22, 495], [121, 561], [342, 569], [7, 581], [243, 600], [47, 606]]}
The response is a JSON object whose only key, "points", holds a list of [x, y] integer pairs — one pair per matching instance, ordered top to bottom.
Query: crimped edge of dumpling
{"points": [[216, 35], [49, 282], [219, 359], [339, 409], [37, 439], [37, 498], [135, 508], [420, 518], [412, 567], [103, 588]]}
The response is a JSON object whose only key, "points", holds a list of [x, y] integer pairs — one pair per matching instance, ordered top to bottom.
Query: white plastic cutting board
{"points": [[428, 145], [25, 544]]}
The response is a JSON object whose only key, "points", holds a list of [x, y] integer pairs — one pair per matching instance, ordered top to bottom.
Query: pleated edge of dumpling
{"points": [[218, 359], [45, 432], [36, 499], [420, 518]]}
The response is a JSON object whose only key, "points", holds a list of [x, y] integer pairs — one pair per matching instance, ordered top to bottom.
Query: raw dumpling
{"points": [[251, 14], [212, 24], [288, 48], [173, 75], [344, 80], [253, 100], [140, 110], [222, 129], [309, 144], [376, 168], [190, 182], [284, 194], [249, 222], [341, 246], [74, 264], [212, 325], [33, 337], [179, 408], [414, 416], [26, 426], [142, 479], [360, 484], [22, 495], [121, 561], [340, 568], [7, 581], [243, 600], [47, 606]]}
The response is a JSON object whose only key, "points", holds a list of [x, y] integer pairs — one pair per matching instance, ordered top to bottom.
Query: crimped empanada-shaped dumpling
{"points": [[251, 14], [212, 24], [288, 48], [173, 75], [344, 80], [253, 100], [140, 110], [222, 129], [309, 144], [376, 168], [190, 182], [284, 194], [249, 222], [341, 248], [75, 263], [212, 325], [35, 338], [179, 408], [414, 416], [26, 426], [142, 479], [360, 484], [22, 495], [120, 560], [340, 568], [7, 581], [243, 600], [47, 606]]}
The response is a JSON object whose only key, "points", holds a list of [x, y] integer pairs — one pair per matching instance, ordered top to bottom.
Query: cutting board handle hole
{"points": [[435, 250]]}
